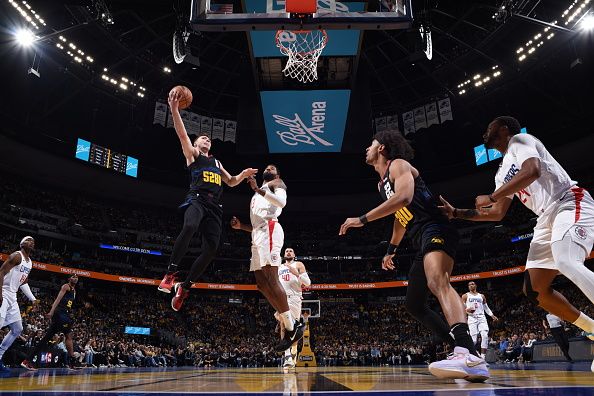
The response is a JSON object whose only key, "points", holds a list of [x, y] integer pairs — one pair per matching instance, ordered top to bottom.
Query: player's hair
{"points": [[510, 122], [396, 145]]}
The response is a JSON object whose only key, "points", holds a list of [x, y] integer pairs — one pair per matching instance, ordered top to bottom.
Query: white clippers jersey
{"points": [[544, 191], [261, 211], [17, 276], [290, 282], [475, 301]]}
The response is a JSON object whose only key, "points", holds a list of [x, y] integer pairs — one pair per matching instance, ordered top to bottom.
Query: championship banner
{"points": [[445, 109], [431, 111], [160, 113], [420, 120], [305, 121], [392, 122], [409, 122], [380, 124], [206, 126], [218, 128], [230, 130], [220, 286]]}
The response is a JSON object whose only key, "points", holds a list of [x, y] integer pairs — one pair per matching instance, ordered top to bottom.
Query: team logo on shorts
{"points": [[581, 232], [437, 240], [274, 257]]}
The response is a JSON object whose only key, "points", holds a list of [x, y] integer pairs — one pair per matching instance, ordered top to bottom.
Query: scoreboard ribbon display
{"points": [[106, 158]]}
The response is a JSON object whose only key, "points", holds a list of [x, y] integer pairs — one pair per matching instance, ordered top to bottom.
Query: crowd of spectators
{"points": [[212, 331]]}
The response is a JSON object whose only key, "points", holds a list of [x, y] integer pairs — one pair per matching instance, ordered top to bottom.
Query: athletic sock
{"points": [[171, 268], [288, 320], [585, 323], [462, 337], [288, 353]]}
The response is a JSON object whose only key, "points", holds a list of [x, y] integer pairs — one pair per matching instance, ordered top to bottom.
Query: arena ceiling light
{"points": [[28, 13], [587, 23], [24, 37], [479, 80], [123, 83]]}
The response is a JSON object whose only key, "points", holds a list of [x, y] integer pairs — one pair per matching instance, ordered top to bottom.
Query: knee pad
{"points": [[528, 290]]}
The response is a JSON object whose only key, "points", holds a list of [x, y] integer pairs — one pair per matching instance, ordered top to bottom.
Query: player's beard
{"points": [[268, 176]]}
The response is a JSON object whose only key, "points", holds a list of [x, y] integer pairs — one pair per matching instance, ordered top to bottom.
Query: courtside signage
{"points": [[340, 42], [305, 121]]}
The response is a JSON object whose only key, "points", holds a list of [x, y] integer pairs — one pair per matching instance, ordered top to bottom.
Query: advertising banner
{"points": [[340, 42], [305, 121]]}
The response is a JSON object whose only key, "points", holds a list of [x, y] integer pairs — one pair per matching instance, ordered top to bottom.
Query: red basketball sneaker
{"points": [[167, 282], [180, 295], [28, 365]]}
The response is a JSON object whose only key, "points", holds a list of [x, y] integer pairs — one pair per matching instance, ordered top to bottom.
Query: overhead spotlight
{"points": [[103, 13], [587, 23], [25, 37], [166, 69]]}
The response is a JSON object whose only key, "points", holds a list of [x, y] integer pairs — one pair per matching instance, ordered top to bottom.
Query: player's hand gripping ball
{"points": [[183, 95]]}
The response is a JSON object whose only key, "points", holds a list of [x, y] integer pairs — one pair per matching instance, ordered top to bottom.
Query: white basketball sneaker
{"points": [[289, 363], [461, 365]]}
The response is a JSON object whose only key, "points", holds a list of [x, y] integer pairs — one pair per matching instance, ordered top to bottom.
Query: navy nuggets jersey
{"points": [[205, 178], [421, 211], [67, 301]]}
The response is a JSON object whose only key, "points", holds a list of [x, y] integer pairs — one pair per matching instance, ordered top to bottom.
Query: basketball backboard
{"points": [[223, 15]]}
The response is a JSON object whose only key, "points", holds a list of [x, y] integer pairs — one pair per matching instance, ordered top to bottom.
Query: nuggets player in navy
{"points": [[202, 209], [415, 212], [61, 322]]}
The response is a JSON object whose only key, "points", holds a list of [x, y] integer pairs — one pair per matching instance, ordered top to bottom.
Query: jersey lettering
{"points": [[211, 177], [523, 195], [404, 216], [69, 304]]}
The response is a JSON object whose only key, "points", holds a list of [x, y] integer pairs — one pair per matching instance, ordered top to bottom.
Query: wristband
{"points": [[491, 198], [363, 219], [391, 249]]}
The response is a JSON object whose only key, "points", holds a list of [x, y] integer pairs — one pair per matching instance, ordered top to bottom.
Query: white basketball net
{"points": [[303, 47]]}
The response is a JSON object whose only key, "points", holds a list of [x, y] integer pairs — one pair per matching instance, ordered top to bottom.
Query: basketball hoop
{"points": [[303, 47]]}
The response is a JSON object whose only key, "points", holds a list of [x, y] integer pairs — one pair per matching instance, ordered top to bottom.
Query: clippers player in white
{"points": [[564, 232], [267, 241], [14, 274], [293, 277], [476, 308]]}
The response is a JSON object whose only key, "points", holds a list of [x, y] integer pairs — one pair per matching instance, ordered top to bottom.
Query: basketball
{"points": [[185, 96]]}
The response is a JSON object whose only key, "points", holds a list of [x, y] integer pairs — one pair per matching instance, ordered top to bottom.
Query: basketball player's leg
{"points": [[193, 215], [192, 218], [210, 228], [438, 267], [263, 287], [417, 293], [473, 325], [483, 328], [15, 329], [52, 330]]}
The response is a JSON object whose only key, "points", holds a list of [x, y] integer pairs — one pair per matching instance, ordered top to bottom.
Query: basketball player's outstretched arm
{"points": [[180, 129], [401, 172], [529, 172], [232, 181], [496, 212], [12, 261], [63, 290], [488, 310]]}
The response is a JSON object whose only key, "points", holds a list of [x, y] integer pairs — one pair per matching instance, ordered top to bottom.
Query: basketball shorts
{"points": [[572, 215], [435, 237], [267, 242], [9, 311], [62, 322], [477, 325]]}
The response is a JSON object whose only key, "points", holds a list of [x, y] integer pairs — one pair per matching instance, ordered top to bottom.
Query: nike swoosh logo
{"points": [[295, 333], [470, 363]]}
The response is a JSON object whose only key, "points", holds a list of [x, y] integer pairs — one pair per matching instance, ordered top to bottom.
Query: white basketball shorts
{"points": [[573, 215], [267, 242], [9, 311], [477, 325]]}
